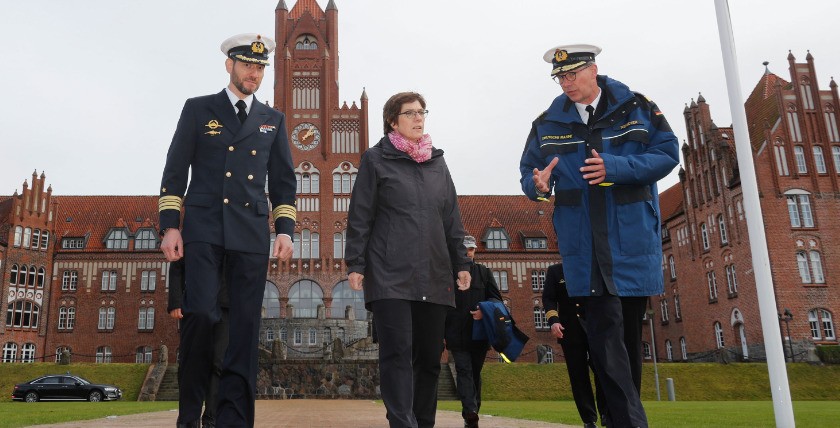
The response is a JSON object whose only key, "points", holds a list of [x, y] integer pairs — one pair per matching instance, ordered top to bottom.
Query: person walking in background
{"points": [[228, 144], [601, 148], [405, 247], [562, 314], [220, 335], [469, 354]]}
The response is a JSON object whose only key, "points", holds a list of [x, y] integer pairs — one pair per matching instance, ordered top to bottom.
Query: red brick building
{"points": [[709, 309]]}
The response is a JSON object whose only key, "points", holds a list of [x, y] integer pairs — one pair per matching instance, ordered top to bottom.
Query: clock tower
{"points": [[326, 139]]}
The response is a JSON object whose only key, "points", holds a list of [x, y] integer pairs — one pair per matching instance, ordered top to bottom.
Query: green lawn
{"points": [[129, 377], [19, 414]]}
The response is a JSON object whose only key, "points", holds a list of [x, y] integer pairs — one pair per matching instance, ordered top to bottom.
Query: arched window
{"points": [[306, 42], [793, 124], [799, 156], [835, 157], [819, 160], [799, 208], [704, 235], [18, 236], [27, 237], [724, 238], [36, 239], [45, 239], [339, 240], [306, 245], [672, 266], [810, 267], [13, 277], [40, 279], [731, 280], [712, 282], [305, 296], [344, 296], [271, 301], [677, 308], [663, 309], [22, 314], [66, 318], [539, 318], [822, 325], [269, 334], [284, 335], [719, 335], [298, 336], [313, 336], [683, 348], [646, 350], [669, 350], [27, 353]]}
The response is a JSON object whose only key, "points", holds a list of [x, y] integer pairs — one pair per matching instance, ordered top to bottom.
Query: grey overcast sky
{"points": [[92, 89]]}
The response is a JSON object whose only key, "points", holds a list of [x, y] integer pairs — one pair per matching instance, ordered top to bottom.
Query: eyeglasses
{"points": [[569, 77], [411, 114]]}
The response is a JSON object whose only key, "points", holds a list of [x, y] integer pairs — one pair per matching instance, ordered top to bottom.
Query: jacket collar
{"points": [[613, 95]]}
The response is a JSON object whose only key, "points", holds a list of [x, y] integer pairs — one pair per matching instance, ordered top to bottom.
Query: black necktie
{"points": [[591, 111], [241, 113]]}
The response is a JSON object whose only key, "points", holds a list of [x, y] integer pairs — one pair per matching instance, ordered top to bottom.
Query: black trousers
{"points": [[245, 276], [604, 325], [221, 333], [410, 336], [578, 364], [468, 365]]}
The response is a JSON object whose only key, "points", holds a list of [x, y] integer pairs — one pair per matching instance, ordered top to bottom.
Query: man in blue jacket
{"points": [[601, 148]]}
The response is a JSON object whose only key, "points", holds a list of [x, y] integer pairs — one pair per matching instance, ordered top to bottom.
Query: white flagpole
{"points": [[755, 226]]}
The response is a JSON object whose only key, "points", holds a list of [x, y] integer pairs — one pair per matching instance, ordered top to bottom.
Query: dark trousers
{"points": [[245, 275], [633, 309], [604, 327], [221, 332], [410, 336], [578, 364], [468, 365]]}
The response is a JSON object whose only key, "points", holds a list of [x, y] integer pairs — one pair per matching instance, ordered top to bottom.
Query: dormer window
{"points": [[145, 239], [496, 239], [117, 240], [72, 243]]}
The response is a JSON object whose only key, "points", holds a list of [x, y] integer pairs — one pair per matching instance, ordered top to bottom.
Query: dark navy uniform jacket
{"points": [[225, 203], [608, 234]]}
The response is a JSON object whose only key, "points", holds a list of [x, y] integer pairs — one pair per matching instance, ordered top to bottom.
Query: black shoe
{"points": [[471, 420], [193, 424], [590, 425]]}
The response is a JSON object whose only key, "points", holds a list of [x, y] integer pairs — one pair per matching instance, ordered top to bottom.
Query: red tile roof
{"points": [[310, 6], [671, 202], [518, 215], [94, 216]]}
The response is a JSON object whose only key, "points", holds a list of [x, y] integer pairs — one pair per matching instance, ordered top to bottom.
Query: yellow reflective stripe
{"points": [[169, 203], [288, 211], [504, 357]]}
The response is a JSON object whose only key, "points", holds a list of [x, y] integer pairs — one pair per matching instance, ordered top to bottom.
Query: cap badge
{"points": [[257, 47], [560, 55], [213, 124]]}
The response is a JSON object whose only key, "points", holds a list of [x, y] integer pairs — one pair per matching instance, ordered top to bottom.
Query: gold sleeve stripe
{"points": [[169, 203], [288, 211], [551, 313]]}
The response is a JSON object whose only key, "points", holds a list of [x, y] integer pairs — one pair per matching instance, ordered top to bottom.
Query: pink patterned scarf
{"points": [[421, 151]]}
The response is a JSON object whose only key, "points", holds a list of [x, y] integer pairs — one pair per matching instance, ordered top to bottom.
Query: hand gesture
{"points": [[594, 171], [541, 178], [172, 244], [282, 248], [464, 280], [557, 330]]}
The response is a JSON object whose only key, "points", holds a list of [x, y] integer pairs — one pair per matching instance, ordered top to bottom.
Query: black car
{"points": [[64, 387]]}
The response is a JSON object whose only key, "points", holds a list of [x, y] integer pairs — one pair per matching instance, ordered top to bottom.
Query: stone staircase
{"points": [[446, 384], [168, 390]]}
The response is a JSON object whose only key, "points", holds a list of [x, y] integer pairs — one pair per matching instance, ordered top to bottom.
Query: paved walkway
{"points": [[310, 414]]}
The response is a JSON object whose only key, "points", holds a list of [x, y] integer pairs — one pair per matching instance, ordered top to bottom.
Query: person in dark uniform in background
{"points": [[229, 144], [601, 148], [562, 314], [220, 335], [469, 354]]}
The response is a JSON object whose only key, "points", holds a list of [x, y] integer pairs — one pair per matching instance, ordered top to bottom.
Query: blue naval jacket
{"points": [[608, 234]]}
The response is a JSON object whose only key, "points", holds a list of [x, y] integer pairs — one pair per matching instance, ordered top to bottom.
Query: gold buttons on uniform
{"points": [[230, 149], [253, 152], [227, 174], [250, 177], [226, 200], [247, 204]]}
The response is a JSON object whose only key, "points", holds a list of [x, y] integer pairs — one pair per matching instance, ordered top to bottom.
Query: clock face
{"points": [[306, 136]]}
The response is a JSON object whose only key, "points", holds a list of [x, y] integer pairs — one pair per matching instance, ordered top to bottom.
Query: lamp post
{"points": [[650, 313], [787, 317]]}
